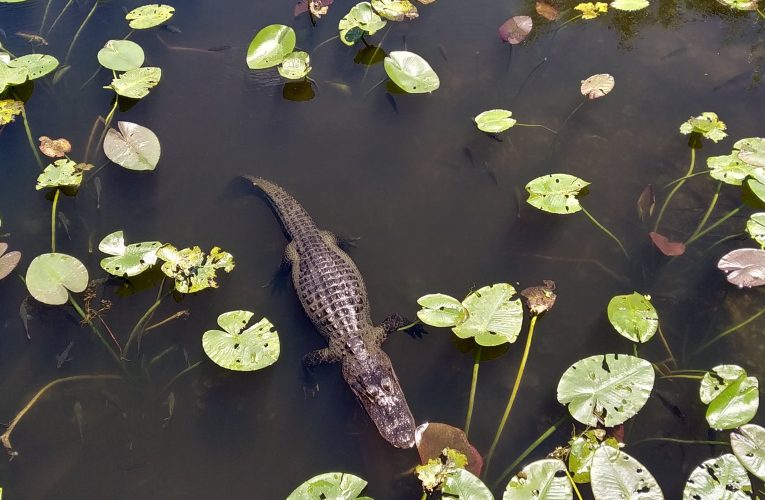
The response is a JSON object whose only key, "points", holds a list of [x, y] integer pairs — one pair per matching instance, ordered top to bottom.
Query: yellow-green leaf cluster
{"points": [[592, 10]]}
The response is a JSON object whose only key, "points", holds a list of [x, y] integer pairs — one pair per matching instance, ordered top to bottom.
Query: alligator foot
{"points": [[347, 242], [396, 322]]}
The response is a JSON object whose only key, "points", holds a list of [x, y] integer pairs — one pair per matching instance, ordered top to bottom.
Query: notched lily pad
{"points": [[629, 5], [395, 10], [591, 10], [149, 16], [360, 20], [516, 29], [270, 45], [121, 55], [36, 65], [295, 66], [411, 72], [136, 83], [597, 86], [9, 109], [495, 121], [707, 124], [134, 147], [60, 173], [556, 193], [755, 226], [127, 260], [744, 267], [191, 269], [50, 276], [441, 310], [633, 316], [494, 317], [240, 349], [732, 397], [748, 444], [582, 451], [615, 474], [718, 478], [544, 480], [335, 485]]}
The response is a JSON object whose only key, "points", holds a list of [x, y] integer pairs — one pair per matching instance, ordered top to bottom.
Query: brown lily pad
{"points": [[547, 11], [516, 29], [597, 86], [54, 148], [646, 203], [665, 246], [8, 261], [744, 267], [540, 299], [432, 437]]}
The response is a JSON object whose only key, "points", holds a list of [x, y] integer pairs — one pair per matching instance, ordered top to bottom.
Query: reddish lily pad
{"points": [[547, 11], [516, 29], [54, 148], [665, 246], [8, 261], [744, 267], [432, 437]]}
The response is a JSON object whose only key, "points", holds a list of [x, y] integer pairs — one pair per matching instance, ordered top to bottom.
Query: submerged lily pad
{"points": [[629, 5], [395, 10], [149, 16], [360, 20], [516, 29], [270, 45], [121, 55], [37, 65], [295, 66], [411, 72], [136, 83], [597, 86], [9, 109], [495, 121], [707, 124], [133, 147], [54, 148], [61, 173], [556, 193], [755, 226], [127, 260], [8, 261], [744, 267], [191, 269], [51, 275], [441, 310], [633, 316], [494, 318], [235, 348], [606, 388], [732, 397], [748, 444], [615, 474], [721, 478], [543, 480], [335, 485]]}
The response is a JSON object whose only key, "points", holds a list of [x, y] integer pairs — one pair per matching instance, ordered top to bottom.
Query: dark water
{"points": [[438, 207]]}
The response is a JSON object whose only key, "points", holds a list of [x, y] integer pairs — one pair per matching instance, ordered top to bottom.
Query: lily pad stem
{"points": [[60, 14], [762, 15], [45, 16], [570, 20], [79, 30], [129, 34], [324, 43], [107, 121], [535, 125], [29, 132], [672, 183], [674, 189], [707, 213], [53, 221], [713, 226], [609, 233], [410, 325], [138, 328], [95, 330], [730, 330], [666, 346], [179, 375], [692, 377], [473, 385], [514, 392], [5, 438], [680, 441], [573, 483], [424, 495]]}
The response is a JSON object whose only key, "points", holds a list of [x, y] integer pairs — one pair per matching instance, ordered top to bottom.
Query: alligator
{"points": [[332, 293]]}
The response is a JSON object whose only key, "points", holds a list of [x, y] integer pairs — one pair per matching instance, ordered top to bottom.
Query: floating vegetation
{"points": [[149, 16], [361, 20], [516, 29], [270, 45], [121, 55], [411, 72], [136, 83], [597, 86], [133, 147], [127, 260], [8, 261], [192, 269], [51, 276], [633, 316], [240, 349], [732, 397], [748, 445], [716, 478], [337, 485]]}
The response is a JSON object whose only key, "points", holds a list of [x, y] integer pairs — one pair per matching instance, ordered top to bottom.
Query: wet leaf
{"points": [[739, 4], [629, 5], [395, 10], [591, 10], [547, 11], [149, 16], [360, 20], [516, 29], [270, 45], [121, 55], [37, 65], [295, 66], [411, 72], [10, 76], [136, 83], [597, 86], [9, 109], [495, 121], [707, 124], [134, 147], [54, 148], [751, 150], [729, 169], [60, 173], [556, 193], [646, 203], [755, 226], [668, 248], [127, 260], [8, 261], [744, 267], [191, 269], [50, 275], [540, 299], [441, 310], [633, 316], [494, 318], [235, 348], [606, 388], [732, 397], [432, 437], [748, 443], [582, 452], [435, 472], [615, 474], [721, 478], [543, 480], [335, 485], [462, 485]]}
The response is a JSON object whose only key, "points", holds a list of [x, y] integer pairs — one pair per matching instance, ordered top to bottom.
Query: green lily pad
{"points": [[740, 4], [629, 5], [395, 10], [149, 16], [359, 20], [270, 45], [121, 55], [37, 65], [295, 65], [411, 72], [10, 76], [136, 83], [9, 110], [495, 121], [707, 124], [133, 147], [751, 150], [729, 169], [60, 173], [556, 193], [755, 226], [130, 260], [8, 261], [191, 269], [50, 275], [441, 310], [633, 316], [494, 318], [235, 348], [608, 388], [732, 397], [748, 444], [583, 449], [435, 471], [615, 474], [721, 478], [541, 480], [334, 485], [463, 485]]}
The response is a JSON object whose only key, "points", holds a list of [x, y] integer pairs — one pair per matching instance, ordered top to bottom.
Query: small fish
{"points": [[171, 28], [32, 38], [219, 48], [442, 52], [341, 87], [392, 101], [469, 155], [97, 183], [646, 203], [65, 222], [25, 316], [64, 356], [112, 399], [170, 408], [79, 419]]}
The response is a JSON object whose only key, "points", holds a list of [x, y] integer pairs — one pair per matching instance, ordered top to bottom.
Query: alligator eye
{"points": [[387, 384]]}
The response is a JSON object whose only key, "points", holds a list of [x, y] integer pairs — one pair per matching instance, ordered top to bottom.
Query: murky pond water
{"points": [[437, 205]]}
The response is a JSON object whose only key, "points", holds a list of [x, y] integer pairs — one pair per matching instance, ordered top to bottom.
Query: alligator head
{"points": [[376, 386]]}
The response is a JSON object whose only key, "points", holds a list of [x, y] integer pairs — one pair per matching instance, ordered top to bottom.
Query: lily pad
{"points": [[629, 5], [746, 5], [395, 10], [546, 10], [591, 10], [149, 16], [360, 20], [516, 29], [270, 45], [121, 55], [37, 65], [295, 66], [411, 72], [10, 76], [136, 83], [597, 86], [9, 109], [495, 121], [707, 124], [133, 147], [54, 148], [751, 150], [729, 169], [61, 173], [556, 193], [755, 226], [665, 246], [127, 260], [8, 261], [744, 267], [191, 269], [51, 275], [540, 299], [441, 310], [633, 316], [494, 318], [235, 348], [606, 388], [732, 397], [432, 437], [748, 444], [582, 452], [436, 471], [615, 474], [721, 478], [541, 480], [335, 485], [463, 485]]}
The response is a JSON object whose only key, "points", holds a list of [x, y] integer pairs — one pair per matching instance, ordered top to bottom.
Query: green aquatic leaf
{"points": [[740, 4], [629, 5], [395, 10], [149, 16], [359, 20], [270, 45], [121, 55], [37, 65], [295, 65], [411, 72], [10, 76], [136, 83], [9, 110], [495, 121], [707, 124], [134, 147], [751, 150], [729, 169], [60, 173], [556, 193], [755, 226], [127, 260], [191, 269], [50, 275], [441, 310], [633, 316], [493, 317], [235, 348], [606, 388], [732, 397], [748, 445], [582, 451], [436, 471], [615, 474], [721, 478], [541, 480], [334, 485], [463, 485]]}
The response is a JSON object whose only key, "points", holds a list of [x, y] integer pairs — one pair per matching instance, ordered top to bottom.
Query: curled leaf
{"points": [[395, 10], [591, 10], [547, 11], [9, 109], [494, 121], [54, 148], [668, 248], [8, 261], [744, 267], [540, 299]]}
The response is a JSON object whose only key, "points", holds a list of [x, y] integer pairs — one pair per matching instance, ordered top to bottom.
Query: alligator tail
{"points": [[293, 217]]}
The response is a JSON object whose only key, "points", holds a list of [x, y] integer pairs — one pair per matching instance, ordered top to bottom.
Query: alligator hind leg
{"points": [[344, 242]]}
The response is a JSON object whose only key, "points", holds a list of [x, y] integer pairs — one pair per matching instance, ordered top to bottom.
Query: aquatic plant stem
{"points": [[762, 14], [45, 16], [58, 17], [570, 20], [79, 30], [534, 125], [29, 132], [672, 183], [674, 190], [704, 219], [53, 221], [713, 226], [609, 233], [138, 328], [96, 331], [729, 331], [666, 345], [179, 375], [692, 377], [473, 385], [514, 392], [5, 438], [680, 441], [573, 483], [424, 495]]}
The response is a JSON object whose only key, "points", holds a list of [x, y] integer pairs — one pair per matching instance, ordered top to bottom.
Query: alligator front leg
{"points": [[393, 323], [311, 360]]}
